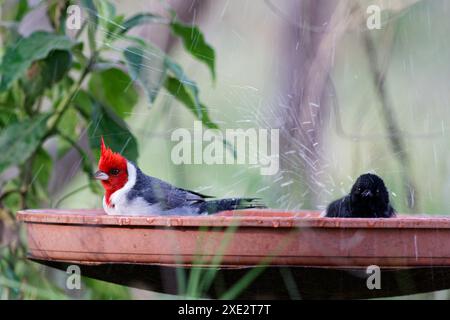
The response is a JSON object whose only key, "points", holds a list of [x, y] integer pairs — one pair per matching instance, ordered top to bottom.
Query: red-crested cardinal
{"points": [[128, 191]]}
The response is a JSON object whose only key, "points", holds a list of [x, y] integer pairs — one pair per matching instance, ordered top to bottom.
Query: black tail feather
{"points": [[214, 206]]}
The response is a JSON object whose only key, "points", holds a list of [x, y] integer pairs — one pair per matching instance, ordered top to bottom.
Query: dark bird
{"points": [[369, 198]]}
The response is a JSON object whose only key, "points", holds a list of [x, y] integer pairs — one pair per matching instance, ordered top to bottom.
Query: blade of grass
{"points": [[68, 195], [211, 272], [194, 275], [250, 276], [181, 281], [244, 282], [290, 283], [28, 289]]}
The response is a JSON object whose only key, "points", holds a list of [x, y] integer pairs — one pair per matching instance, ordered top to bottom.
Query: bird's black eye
{"points": [[114, 172], [378, 191]]}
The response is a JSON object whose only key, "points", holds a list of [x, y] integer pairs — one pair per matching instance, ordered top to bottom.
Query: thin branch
{"points": [[80, 31], [65, 103], [391, 124], [84, 156], [6, 194], [69, 195]]}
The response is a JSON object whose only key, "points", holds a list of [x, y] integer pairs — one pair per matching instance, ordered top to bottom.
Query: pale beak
{"points": [[100, 175], [367, 193]]}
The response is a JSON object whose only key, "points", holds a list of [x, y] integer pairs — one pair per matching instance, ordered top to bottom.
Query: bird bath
{"points": [[325, 257]]}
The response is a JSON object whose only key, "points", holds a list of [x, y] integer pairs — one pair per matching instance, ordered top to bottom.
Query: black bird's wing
{"points": [[339, 208], [390, 212]]}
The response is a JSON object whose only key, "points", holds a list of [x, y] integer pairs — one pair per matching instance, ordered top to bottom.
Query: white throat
{"points": [[118, 199]]}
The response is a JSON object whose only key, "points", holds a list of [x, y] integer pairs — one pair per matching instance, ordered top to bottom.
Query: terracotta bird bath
{"points": [[323, 257]]}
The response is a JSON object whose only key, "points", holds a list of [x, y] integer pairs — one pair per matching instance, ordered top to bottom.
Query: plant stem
{"points": [[79, 32], [65, 103], [395, 137], [84, 156], [6, 194], [69, 195]]}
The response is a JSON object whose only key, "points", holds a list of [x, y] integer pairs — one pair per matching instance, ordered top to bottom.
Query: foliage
{"points": [[57, 85]]}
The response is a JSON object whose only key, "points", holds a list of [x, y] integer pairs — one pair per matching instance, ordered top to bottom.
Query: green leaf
{"points": [[90, 7], [22, 9], [14, 10], [106, 10], [57, 12], [11, 14], [106, 14], [140, 19], [114, 27], [194, 42], [19, 56], [81, 60], [147, 68], [45, 73], [180, 86], [190, 86], [114, 88], [186, 91], [181, 93], [18, 96], [83, 103], [8, 109], [92, 111], [7, 116], [68, 123], [67, 126], [114, 130], [19, 140], [42, 168], [99, 290]]}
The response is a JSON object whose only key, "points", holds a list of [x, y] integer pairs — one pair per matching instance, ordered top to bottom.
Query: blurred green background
{"points": [[248, 38], [275, 59]]}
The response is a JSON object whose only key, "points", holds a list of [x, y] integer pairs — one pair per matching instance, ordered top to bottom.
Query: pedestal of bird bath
{"points": [[322, 257]]}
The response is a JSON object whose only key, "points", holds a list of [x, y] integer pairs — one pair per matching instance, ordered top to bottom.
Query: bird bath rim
{"points": [[249, 218], [294, 238]]}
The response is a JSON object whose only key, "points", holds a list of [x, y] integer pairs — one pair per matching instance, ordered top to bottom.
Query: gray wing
{"points": [[154, 191]]}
